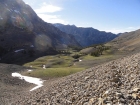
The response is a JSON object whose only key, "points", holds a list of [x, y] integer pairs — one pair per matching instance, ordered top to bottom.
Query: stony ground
{"points": [[113, 83], [11, 88]]}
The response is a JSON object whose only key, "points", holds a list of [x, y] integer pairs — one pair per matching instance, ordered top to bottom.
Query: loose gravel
{"points": [[113, 83]]}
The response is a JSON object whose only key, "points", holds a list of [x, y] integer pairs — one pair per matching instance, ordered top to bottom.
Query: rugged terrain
{"points": [[23, 33], [24, 36], [86, 36], [127, 42], [113, 83], [10, 86]]}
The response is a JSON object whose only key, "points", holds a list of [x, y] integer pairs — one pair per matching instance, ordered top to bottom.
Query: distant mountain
{"points": [[21, 30], [86, 36], [127, 42]]}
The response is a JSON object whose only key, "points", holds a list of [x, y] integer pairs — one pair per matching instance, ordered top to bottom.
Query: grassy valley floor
{"points": [[61, 65]]}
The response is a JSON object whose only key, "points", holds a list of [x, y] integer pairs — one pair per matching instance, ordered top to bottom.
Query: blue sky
{"points": [[105, 15]]}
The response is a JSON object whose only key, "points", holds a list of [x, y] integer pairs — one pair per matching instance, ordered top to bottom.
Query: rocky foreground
{"points": [[113, 83], [10, 87]]}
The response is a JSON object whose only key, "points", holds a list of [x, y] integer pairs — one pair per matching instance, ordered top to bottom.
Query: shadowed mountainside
{"points": [[22, 30], [86, 36]]}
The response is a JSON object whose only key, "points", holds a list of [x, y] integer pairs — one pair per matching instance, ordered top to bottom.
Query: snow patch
{"points": [[8, 9], [16, 11], [24, 12], [31, 45], [19, 50], [80, 60], [44, 66], [30, 70], [36, 81]]}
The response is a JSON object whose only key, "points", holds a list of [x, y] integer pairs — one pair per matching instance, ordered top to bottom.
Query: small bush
{"points": [[95, 53], [76, 56]]}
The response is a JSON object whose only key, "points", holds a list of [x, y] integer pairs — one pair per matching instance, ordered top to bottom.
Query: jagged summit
{"points": [[86, 36]]}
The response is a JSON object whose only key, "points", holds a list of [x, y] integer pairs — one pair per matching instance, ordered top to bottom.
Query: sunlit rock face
{"points": [[15, 12], [21, 28]]}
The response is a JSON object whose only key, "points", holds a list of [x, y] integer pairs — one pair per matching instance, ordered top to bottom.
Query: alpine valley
{"points": [[43, 63]]}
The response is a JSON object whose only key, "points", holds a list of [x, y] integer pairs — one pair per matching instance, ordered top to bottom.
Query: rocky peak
{"points": [[20, 27], [86, 36]]}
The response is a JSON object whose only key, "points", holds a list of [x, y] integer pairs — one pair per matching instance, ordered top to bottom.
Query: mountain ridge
{"points": [[20, 28], [87, 36], [127, 42]]}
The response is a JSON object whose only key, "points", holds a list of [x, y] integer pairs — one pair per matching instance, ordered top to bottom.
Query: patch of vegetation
{"points": [[75, 48], [99, 50], [95, 53], [76, 56], [89, 57], [51, 61], [62, 64], [56, 66], [53, 72]]}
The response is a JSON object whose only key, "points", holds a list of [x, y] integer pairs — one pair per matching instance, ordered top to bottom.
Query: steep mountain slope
{"points": [[22, 30], [86, 36], [127, 42]]}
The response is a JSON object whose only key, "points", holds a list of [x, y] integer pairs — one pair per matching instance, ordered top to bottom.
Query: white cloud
{"points": [[26, 3], [48, 8], [46, 12], [52, 18], [128, 29], [115, 31]]}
